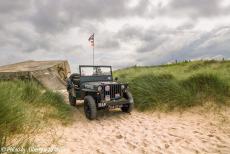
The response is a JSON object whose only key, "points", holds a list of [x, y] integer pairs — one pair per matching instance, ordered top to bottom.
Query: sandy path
{"points": [[197, 130], [117, 132]]}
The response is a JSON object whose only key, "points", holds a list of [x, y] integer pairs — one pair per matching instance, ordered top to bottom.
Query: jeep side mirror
{"points": [[116, 78]]}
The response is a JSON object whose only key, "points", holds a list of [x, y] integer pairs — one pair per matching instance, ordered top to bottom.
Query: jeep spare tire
{"points": [[90, 107]]}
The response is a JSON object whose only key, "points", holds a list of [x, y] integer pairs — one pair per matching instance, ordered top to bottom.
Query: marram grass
{"points": [[178, 86], [26, 106]]}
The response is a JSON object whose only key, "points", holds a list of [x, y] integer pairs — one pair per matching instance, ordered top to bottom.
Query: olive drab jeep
{"points": [[96, 86]]}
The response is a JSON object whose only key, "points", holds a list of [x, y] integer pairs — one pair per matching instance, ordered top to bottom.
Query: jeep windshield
{"points": [[95, 70], [95, 73]]}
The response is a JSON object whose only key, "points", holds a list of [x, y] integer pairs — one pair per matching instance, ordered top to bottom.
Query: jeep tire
{"points": [[72, 100], [129, 106], [90, 107]]}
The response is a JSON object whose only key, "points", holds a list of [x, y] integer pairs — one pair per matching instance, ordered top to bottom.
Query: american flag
{"points": [[91, 40]]}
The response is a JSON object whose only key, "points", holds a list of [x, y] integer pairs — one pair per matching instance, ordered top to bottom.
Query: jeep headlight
{"points": [[122, 87], [99, 88], [107, 88]]}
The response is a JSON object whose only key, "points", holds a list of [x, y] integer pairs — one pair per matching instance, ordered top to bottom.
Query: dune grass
{"points": [[179, 85], [25, 107]]}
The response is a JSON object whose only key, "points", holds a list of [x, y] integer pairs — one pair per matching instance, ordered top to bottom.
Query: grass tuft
{"points": [[56, 100]]}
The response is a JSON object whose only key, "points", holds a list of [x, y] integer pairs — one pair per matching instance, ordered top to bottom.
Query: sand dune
{"points": [[194, 131]]}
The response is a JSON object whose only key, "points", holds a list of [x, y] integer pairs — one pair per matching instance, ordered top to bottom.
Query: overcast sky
{"points": [[127, 32]]}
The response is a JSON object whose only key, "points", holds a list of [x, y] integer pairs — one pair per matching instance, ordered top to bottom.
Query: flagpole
{"points": [[93, 47], [93, 54]]}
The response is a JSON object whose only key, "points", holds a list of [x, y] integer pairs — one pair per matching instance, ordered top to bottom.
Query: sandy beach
{"points": [[193, 131]]}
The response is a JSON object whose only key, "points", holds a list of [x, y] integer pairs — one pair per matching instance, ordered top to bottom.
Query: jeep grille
{"points": [[114, 89]]}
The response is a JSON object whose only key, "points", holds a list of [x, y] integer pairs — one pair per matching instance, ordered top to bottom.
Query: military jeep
{"points": [[96, 86]]}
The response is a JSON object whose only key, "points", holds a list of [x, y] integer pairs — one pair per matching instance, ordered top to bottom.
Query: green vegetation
{"points": [[178, 85], [25, 107]]}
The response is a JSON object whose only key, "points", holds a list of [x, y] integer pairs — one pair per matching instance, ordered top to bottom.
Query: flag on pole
{"points": [[91, 40]]}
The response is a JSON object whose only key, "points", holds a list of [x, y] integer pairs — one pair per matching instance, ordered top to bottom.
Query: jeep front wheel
{"points": [[72, 100], [129, 106], [90, 107]]}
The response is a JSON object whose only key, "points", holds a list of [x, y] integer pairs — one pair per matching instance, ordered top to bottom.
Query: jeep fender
{"points": [[129, 97]]}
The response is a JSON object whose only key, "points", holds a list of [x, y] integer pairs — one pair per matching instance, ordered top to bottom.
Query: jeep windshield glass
{"points": [[95, 71]]}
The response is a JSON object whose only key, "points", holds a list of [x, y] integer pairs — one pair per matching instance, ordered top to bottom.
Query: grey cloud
{"points": [[7, 6], [97, 9], [195, 9], [14, 11], [60, 15], [46, 16], [54, 16], [49, 18], [187, 26], [32, 29], [128, 33], [20, 37], [150, 39], [214, 41], [109, 44], [151, 45], [208, 45], [73, 49], [10, 57]]}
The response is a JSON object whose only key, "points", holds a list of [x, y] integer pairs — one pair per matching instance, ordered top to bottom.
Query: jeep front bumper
{"points": [[116, 102]]}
